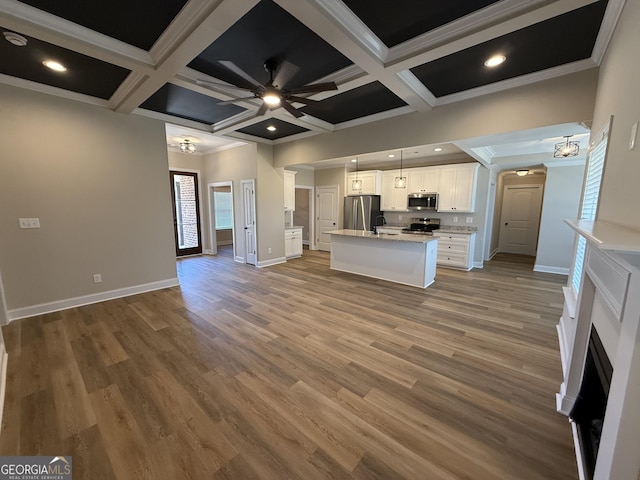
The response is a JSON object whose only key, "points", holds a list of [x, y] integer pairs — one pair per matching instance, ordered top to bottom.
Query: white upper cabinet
{"points": [[423, 180], [371, 183], [457, 188], [289, 190], [393, 198]]}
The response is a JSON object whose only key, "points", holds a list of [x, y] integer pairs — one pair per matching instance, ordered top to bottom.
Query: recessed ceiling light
{"points": [[15, 39], [495, 61], [55, 66], [271, 128], [437, 149], [391, 155], [354, 160]]}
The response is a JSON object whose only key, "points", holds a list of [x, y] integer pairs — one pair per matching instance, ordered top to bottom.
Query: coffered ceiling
{"points": [[162, 59]]}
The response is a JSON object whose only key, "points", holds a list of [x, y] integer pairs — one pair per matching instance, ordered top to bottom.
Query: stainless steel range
{"points": [[422, 226]]}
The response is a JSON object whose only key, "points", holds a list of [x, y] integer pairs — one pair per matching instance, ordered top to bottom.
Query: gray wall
{"points": [[617, 95], [99, 183], [561, 200]]}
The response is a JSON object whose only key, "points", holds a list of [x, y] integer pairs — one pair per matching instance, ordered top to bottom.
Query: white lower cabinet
{"points": [[293, 242], [455, 249]]}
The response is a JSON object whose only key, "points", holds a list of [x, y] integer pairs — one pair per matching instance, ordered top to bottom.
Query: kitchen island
{"points": [[401, 258]]}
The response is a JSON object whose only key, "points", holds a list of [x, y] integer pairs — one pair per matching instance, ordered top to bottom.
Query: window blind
{"points": [[590, 196], [223, 210]]}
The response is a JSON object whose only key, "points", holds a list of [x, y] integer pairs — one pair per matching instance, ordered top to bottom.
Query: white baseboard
{"points": [[224, 242], [207, 251], [493, 254], [239, 259], [273, 261], [478, 264], [550, 269], [58, 305]]}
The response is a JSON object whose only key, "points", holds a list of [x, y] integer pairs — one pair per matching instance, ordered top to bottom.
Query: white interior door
{"points": [[327, 204], [249, 220], [520, 221]]}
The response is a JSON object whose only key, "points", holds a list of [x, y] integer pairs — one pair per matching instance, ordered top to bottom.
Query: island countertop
{"points": [[400, 237]]}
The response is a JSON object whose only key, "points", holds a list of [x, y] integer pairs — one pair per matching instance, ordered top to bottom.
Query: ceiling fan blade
{"points": [[285, 72], [241, 73], [207, 83], [315, 88], [295, 98], [234, 100], [262, 110], [291, 110]]}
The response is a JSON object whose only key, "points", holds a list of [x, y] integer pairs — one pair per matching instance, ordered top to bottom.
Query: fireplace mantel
{"points": [[609, 300]]}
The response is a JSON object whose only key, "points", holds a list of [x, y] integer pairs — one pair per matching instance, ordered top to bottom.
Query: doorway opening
{"points": [[186, 212], [303, 214], [221, 220]]}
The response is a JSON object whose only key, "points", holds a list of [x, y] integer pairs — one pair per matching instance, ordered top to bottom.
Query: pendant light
{"points": [[566, 149], [400, 182], [356, 184]]}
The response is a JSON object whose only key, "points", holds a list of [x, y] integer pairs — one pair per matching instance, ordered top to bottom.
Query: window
{"points": [[590, 195], [224, 208]]}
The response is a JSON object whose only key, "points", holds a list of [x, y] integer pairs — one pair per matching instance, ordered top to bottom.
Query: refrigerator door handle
{"points": [[364, 217]]}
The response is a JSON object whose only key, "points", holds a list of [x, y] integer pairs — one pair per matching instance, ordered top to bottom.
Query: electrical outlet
{"points": [[399, 217], [455, 219], [469, 219], [269, 250], [97, 278]]}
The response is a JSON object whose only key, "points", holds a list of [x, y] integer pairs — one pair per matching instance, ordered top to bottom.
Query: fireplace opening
{"points": [[588, 411]]}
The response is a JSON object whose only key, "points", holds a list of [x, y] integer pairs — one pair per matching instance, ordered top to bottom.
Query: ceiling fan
{"points": [[274, 93]]}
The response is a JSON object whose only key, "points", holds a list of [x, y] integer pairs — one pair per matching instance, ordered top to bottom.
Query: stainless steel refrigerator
{"points": [[361, 211]]}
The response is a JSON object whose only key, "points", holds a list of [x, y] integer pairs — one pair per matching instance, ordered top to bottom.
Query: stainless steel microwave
{"points": [[423, 201]]}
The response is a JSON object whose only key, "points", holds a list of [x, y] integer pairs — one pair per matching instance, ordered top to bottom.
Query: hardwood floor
{"points": [[296, 371]]}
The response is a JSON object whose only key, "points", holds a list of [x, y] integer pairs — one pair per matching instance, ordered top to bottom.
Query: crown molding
{"points": [[608, 26]]}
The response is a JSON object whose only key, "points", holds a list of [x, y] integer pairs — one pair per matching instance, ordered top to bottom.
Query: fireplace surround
{"points": [[608, 303]]}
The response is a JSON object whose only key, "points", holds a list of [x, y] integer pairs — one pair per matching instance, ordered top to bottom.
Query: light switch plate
{"points": [[634, 134], [469, 219], [29, 222]]}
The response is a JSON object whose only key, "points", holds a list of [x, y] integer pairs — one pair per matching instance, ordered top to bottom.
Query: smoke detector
{"points": [[15, 39]]}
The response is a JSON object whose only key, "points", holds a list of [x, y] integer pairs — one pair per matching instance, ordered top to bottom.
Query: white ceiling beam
{"points": [[198, 25]]}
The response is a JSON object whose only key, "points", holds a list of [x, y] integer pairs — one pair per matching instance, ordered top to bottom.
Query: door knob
{"points": [[506, 223]]}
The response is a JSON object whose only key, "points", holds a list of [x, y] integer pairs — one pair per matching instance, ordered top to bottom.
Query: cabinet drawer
{"points": [[453, 237], [453, 248], [453, 260]]}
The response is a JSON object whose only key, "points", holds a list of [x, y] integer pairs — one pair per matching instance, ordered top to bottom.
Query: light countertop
{"points": [[294, 228], [457, 229], [400, 237]]}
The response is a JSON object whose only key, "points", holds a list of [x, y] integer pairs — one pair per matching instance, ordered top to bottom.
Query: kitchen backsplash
{"points": [[404, 218]]}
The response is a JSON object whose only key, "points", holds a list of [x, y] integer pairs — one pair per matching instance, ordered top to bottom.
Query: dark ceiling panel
{"points": [[401, 20], [137, 22], [269, 32], [557, 41], [84, 74], [178, 101], [360, 102], [283, 129]]}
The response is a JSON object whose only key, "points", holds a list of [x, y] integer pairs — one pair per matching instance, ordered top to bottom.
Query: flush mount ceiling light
{"points": [[15, 39], [494, 61], [55, 66], [271, 128], [187, 146], [437, 149], [566, 149], [391, 155], [354, 160], [522, 173], [400, 182], [356, 184]]}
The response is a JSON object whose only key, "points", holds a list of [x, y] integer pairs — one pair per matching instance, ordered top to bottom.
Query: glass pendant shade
{"points": [[187, 147], [400, 181]]}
